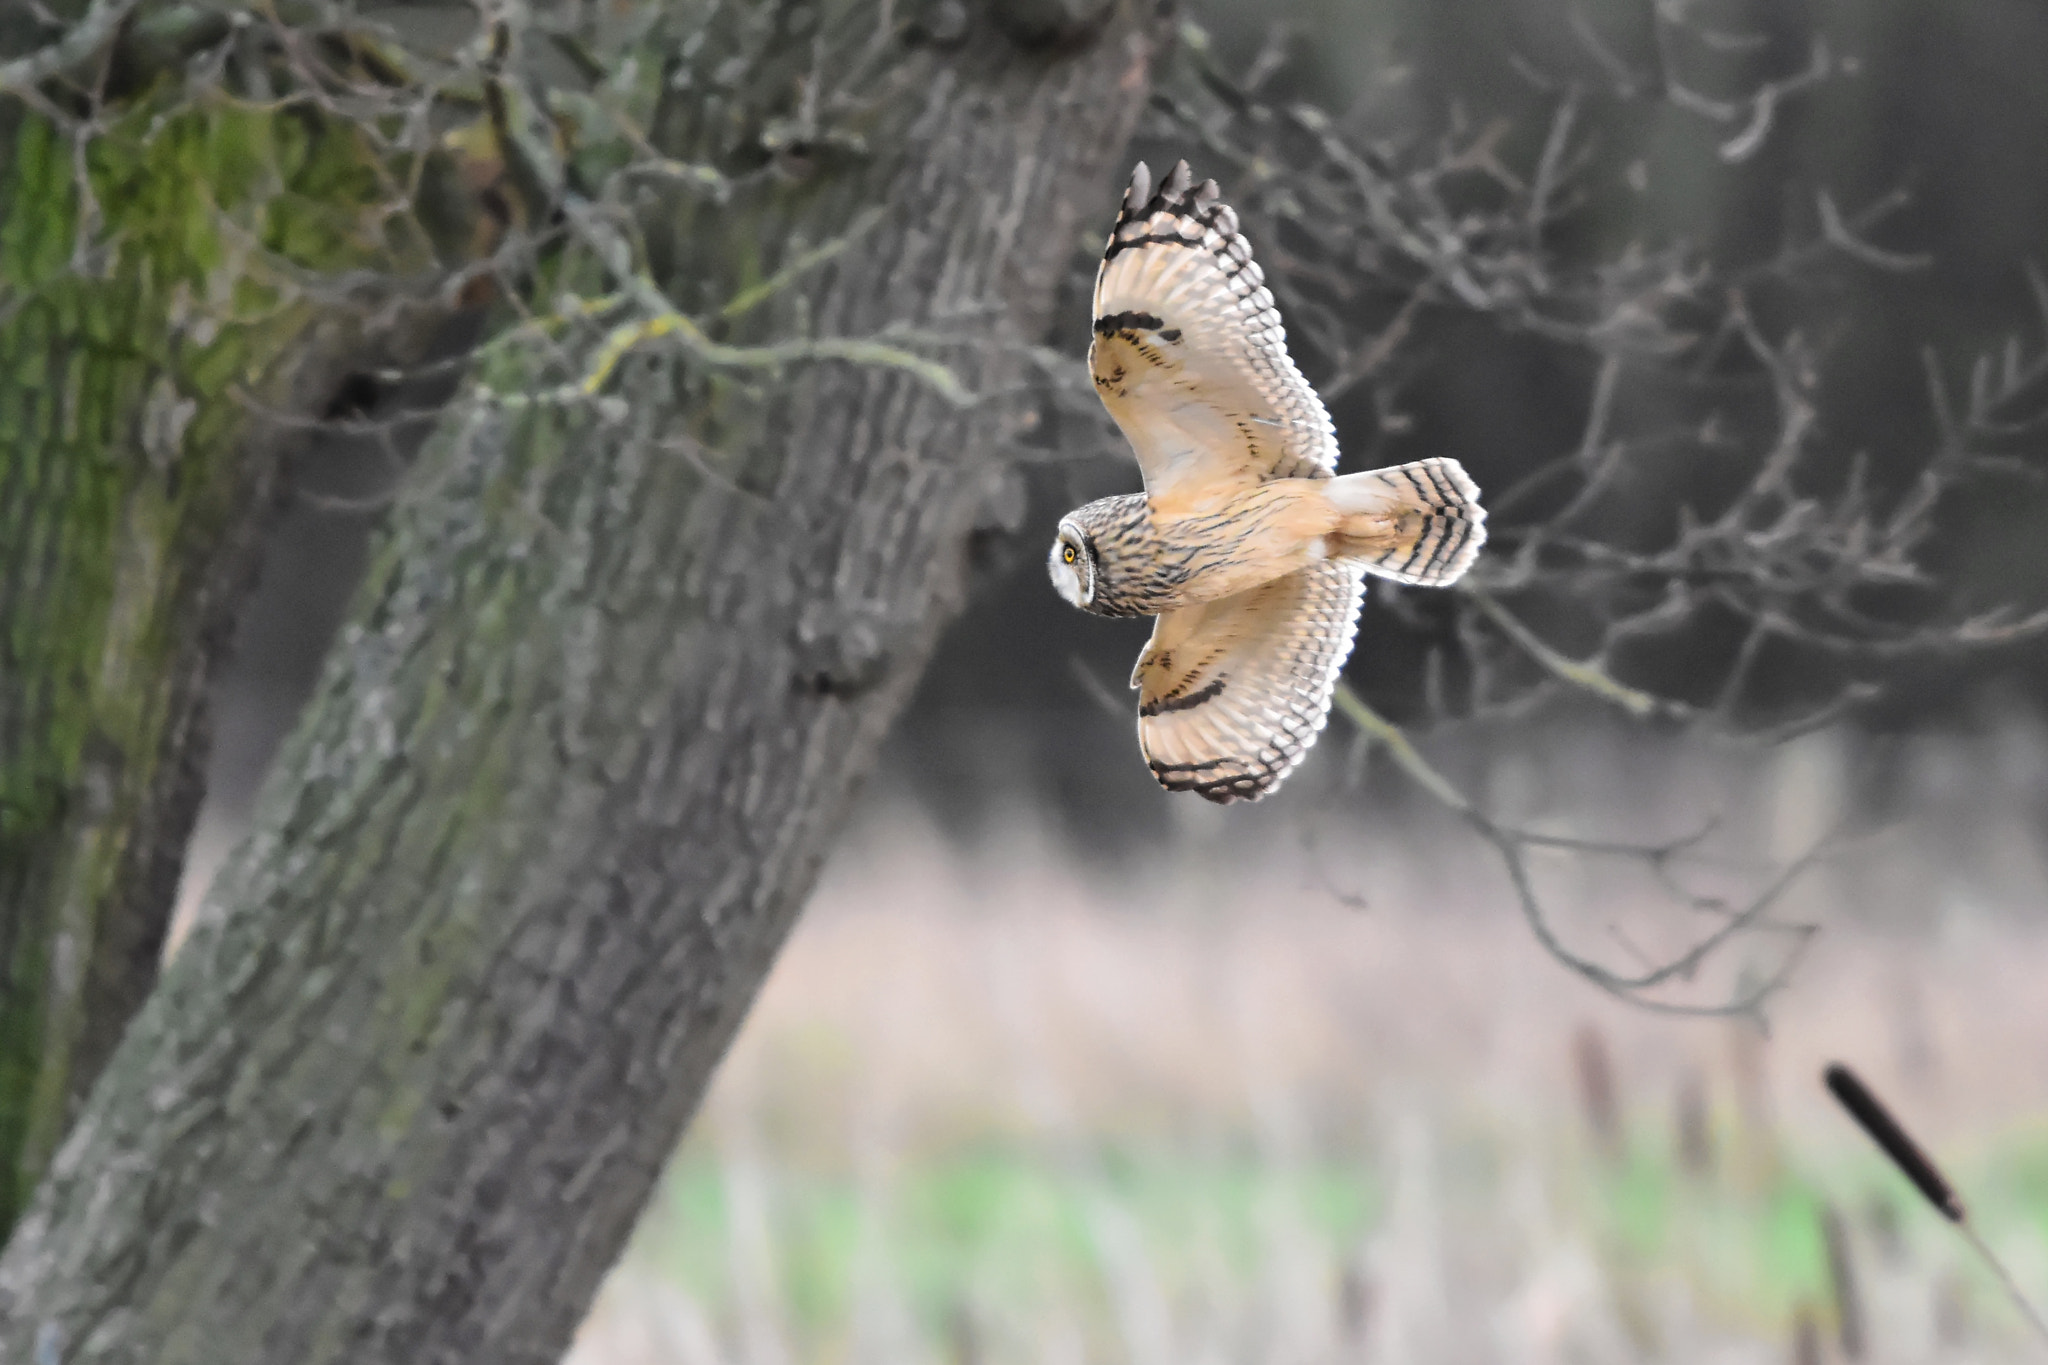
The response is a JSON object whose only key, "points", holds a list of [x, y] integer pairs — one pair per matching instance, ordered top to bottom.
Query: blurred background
{"points": [[1060, 1068]]}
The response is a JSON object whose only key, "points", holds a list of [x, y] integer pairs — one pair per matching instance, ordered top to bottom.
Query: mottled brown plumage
{"points": [[1245, 545]]}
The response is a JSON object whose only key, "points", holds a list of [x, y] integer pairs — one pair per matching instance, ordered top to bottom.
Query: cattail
{"points": [[1596, 1089], [1695, 1130], [1885, 1131], [1905, 1153], [1761, 1160], [1881, 1217], [1842, 1276], [1354, 1304], [1951, 1312], [963, 1332], [1805, 1338]]}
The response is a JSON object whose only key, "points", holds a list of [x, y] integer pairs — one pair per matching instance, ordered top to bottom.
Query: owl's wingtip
{"points": [[1140, 191], [1177, 194]]}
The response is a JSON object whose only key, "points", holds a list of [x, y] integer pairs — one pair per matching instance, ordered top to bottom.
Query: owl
{"points": [[1246, 546]]}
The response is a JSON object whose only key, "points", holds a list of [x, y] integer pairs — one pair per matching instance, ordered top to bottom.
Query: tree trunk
{"points": [[140, 340], [610, 685]]}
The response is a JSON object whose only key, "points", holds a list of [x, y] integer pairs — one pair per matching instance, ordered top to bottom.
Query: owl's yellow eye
{"points": [[1067, 555]]}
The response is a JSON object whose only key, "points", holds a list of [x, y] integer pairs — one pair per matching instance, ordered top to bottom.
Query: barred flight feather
{"points": [[1189, 354], [1434, 523], [1248, 549], [1232, 693]]}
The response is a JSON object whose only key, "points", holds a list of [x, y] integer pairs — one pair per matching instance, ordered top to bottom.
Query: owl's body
{"points": [[1246, 545], [1152, 558], [1150, 564]]}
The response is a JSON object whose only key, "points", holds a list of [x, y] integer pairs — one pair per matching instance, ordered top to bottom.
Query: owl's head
{"points": [[1072, 564]]}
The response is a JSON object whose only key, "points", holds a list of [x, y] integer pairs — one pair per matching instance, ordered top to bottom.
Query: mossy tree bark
{"points": [[151, 331], [619, 665]]}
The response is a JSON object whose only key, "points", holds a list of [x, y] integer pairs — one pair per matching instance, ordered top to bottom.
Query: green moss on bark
{"points": [[148, 317]]}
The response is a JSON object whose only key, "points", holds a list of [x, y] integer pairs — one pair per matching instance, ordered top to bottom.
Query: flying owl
{"points": [[1246, 545]]}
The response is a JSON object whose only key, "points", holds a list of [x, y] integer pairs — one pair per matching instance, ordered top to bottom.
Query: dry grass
{"points": [[998, 1105]]}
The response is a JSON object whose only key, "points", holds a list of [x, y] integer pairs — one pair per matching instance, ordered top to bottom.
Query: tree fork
{"points": [[616, 671]]}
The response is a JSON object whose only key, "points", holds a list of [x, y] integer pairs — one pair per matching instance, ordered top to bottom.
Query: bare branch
{"points": [[92, 31], [662, 320], [1705, 495], [1646, 987]]}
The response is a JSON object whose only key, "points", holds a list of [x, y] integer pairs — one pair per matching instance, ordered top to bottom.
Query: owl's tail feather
{"points": [[1415, 523]]}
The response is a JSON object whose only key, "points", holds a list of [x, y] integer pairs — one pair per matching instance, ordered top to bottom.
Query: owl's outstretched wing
{"points": [[1189, 355], [1232, 693]]}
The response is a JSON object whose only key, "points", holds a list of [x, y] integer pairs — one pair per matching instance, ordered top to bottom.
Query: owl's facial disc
{"points": [[1073, 571]]}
